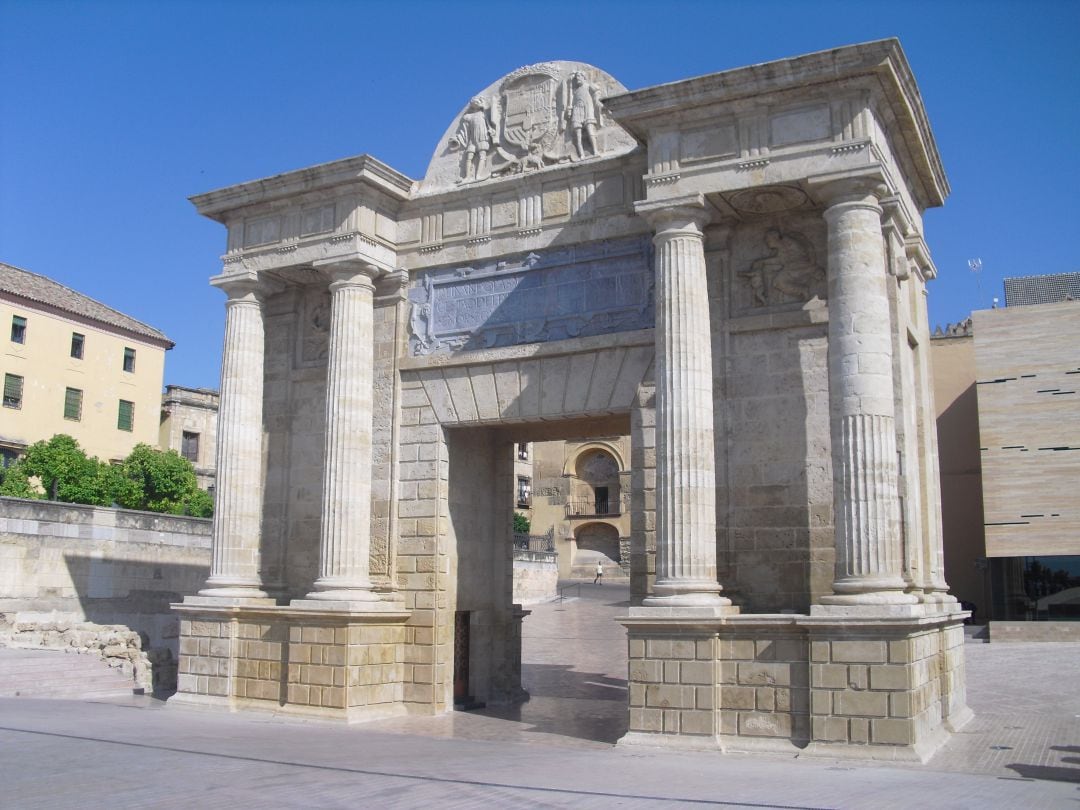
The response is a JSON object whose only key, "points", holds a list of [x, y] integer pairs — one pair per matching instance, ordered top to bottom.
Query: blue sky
{"points": [[113, 113]]}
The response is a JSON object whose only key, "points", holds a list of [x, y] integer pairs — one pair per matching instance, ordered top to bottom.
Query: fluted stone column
{"points": [[685, 463], [865, 500], [345, 541], [234, 567]]}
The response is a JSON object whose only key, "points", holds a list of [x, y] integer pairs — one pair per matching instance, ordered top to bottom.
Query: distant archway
{"points": [[595, 483], [597, 543]]}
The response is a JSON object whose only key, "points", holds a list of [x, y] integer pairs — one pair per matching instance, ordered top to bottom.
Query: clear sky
{"points": [[113, 113]]}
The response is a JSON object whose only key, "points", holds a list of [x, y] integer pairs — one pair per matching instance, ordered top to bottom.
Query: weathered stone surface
{"points": [[743, 296]]}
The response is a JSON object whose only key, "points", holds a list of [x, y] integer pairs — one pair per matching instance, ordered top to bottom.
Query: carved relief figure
{"points": [[581, 107], [478, 128], [787, 272], [320, 316], [421, 320], [420, 323], [315, 327]]}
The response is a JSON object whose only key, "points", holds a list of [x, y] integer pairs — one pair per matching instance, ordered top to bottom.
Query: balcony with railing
{"points": [[593, 508], [535, 542]]}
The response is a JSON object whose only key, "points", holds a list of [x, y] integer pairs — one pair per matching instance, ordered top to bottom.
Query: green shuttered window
{"points": [[13, 386], [73, 404], [125, 419]]}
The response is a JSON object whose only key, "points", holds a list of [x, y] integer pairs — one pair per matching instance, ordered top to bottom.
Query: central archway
{"points": [[461, 422]]}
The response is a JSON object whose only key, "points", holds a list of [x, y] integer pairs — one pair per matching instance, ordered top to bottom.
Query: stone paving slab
{"points": [[1023, 749], [136, 755]]}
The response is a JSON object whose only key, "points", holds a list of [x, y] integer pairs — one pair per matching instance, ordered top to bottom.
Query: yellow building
{"points": [[73, 365], [578, 495]]}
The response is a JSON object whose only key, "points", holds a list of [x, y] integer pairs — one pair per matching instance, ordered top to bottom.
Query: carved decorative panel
{"points": [[590, 289]]}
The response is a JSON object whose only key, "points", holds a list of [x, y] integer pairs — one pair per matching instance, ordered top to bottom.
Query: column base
{"points": [[232, 589], [686, 593], [884, 596], [222, 598], [672, 611]]}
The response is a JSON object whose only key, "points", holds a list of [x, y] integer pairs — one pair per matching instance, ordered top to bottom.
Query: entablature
{"points": [[759, 125], [580, 202], [333, 210]]}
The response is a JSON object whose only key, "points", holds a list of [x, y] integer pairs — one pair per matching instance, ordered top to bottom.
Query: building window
{"points": [[18, 329], [77, 342], [129, 360], [13, 384], [73, 404], [125, 419], [189, 446], [523, 451], [8, 456], [524, 491]]}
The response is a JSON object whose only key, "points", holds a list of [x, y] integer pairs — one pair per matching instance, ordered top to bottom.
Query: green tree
{"points": [[65, 472], [147, 479], [155, 481], [16, 483], [199, 504], [521, 524]]}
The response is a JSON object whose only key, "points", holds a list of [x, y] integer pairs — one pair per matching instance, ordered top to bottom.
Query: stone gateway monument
{"points": [[730, 270]]}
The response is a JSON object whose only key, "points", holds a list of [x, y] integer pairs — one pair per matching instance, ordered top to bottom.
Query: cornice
{"points": [[363, 169]]}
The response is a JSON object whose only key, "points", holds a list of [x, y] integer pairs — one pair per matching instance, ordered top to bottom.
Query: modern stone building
{"points": [[731, 271], [73, 365], [1009, 426]]}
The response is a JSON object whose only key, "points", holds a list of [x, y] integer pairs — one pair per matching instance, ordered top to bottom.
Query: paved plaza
{"points": [[1022, 750]]}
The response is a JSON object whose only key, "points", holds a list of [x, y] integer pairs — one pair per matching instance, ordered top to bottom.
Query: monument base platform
{"points": [[344, 665], [887, 687]]}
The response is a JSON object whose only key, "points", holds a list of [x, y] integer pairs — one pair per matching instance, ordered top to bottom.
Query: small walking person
{"points": [[599, 573]]}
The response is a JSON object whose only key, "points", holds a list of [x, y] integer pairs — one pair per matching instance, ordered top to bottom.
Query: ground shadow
{"points": [[567, 703], [1052, 773]]}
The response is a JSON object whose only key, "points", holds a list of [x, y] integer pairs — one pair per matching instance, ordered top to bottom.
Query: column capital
{"points": [[865, 186], [687, 213], [348, 272], [246, 283]]}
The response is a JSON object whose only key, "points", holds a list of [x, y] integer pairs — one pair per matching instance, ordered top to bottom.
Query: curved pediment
{"points": [[536, 117]]}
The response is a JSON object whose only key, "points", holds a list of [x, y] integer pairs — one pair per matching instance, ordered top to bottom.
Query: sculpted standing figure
{"points": [[583, 110], [475, 134], [788, 269]]}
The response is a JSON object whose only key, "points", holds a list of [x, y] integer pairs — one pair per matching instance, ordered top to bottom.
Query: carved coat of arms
{"points": [[537, 117], [530, 118]]}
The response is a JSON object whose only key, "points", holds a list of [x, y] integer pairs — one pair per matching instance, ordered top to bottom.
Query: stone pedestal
{"points": [[333, 664], [855, 688]]}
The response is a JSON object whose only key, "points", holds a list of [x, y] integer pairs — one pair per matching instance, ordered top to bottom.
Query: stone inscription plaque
{"points": [[584, 290]]}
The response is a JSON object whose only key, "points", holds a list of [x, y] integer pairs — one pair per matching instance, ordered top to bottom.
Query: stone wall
{"points": [[66, 565], [536, 576], [1035, 631], [301, 662], [787, 683]]}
